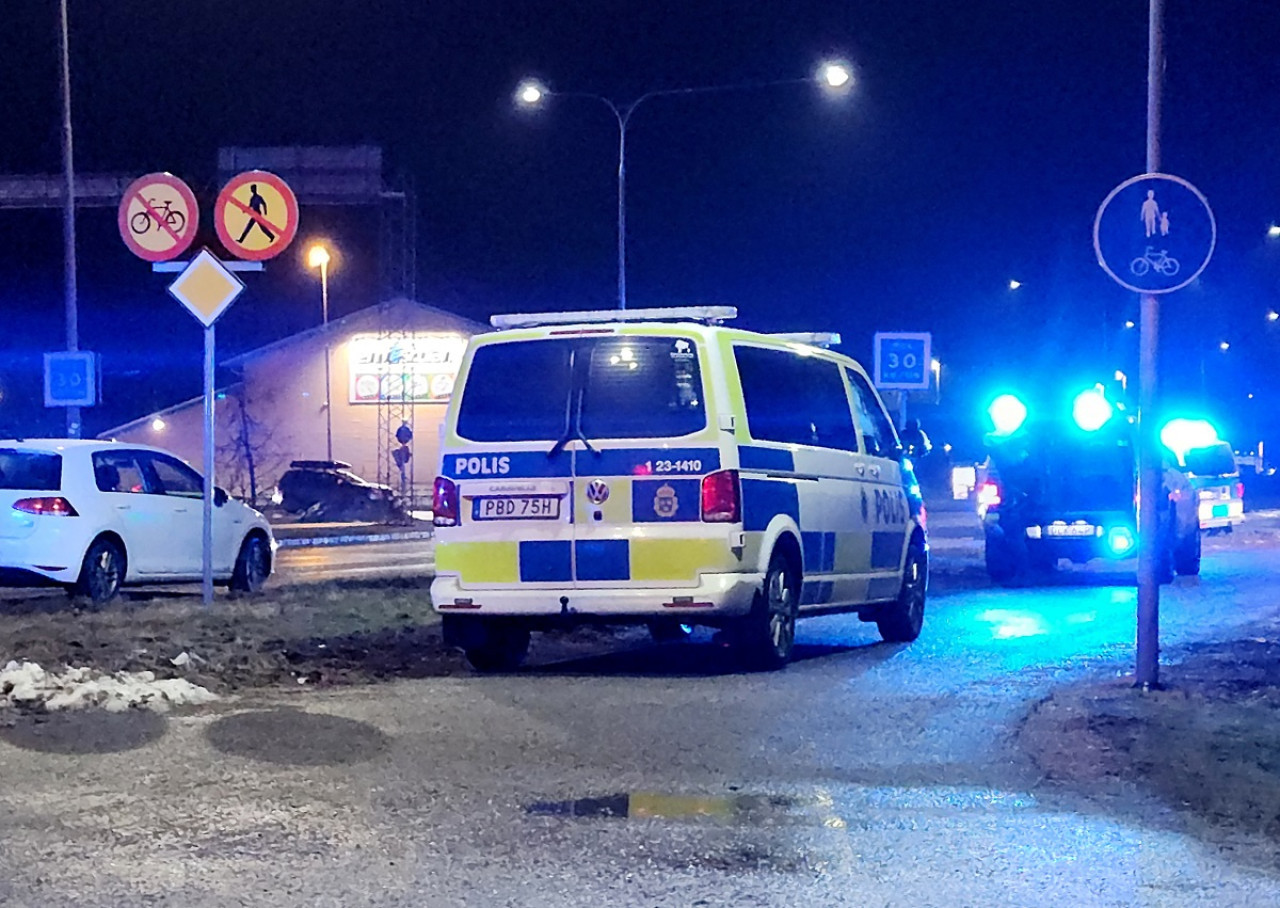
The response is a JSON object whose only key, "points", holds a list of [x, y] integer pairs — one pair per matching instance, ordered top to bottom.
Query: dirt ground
{"points": [[1207, 745]]}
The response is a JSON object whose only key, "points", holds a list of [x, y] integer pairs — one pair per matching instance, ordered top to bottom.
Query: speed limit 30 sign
{"points": [[902, 360]]}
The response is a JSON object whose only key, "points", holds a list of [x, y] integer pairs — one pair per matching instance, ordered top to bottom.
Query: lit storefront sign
{"points": [[416, 368]]}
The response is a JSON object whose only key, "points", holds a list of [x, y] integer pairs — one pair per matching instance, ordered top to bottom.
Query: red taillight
{"points": [[989, 494], [721, 501], [444, 502], [49, 507]]}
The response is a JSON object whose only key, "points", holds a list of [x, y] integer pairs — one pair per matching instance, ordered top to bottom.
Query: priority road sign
{"points": [[256, 215], [157, 217], [1154, 233], [206, 288], [902, 360], [70, 379]]}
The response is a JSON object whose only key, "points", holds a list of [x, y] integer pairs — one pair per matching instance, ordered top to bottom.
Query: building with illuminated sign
{"points": [[390, 366]]}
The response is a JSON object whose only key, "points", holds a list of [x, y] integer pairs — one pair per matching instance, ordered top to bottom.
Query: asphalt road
{"points": [[311, 564], [865, 774]]}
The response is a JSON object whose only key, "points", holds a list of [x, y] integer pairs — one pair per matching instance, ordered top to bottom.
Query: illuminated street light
{"points": [[835, 77], [1274, 231], [318, 257], [1014, 285], [1273, 315], [1129, 323], [1224, 346], [157, 424]]}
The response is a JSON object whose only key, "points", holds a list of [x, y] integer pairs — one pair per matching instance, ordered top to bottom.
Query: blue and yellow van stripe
{"points": [[671, 560]]}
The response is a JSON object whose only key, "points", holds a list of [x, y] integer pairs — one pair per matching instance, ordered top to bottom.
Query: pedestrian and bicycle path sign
{"points": [[256, 215], [1154, 233]]}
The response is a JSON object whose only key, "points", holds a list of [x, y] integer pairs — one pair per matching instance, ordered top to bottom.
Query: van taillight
{"points": [[989, 494], [721, 499], [444, 502], [51, 507]]}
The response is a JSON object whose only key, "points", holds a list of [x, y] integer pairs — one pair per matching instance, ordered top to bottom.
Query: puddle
{"points": [[86, 731], [292, 737]]}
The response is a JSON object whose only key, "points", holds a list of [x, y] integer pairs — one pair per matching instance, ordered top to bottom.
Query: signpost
{"points": [[256, 215], [157, 217], [207, 288], [903, 362], [70, 379]]}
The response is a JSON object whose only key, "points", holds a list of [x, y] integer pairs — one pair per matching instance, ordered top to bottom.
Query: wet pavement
{"points": [[631, 774]]}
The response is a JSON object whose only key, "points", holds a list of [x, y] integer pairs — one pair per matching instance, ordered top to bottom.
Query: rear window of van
{"points": [[601, 387], [34, 471]]}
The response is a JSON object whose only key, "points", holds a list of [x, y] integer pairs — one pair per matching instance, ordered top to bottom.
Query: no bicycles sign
{"points": [[157, 217], [1154, 233]]}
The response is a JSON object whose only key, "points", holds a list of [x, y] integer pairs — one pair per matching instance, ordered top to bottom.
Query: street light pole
{"points": [[835, 76], [68, 209], [318, 257]]}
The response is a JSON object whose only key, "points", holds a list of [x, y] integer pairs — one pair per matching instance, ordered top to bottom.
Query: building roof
{"points": [[399, 314], [218, 393]]}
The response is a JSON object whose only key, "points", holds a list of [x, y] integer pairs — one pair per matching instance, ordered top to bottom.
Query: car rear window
{"points": [[614, 387], [34, 471]]}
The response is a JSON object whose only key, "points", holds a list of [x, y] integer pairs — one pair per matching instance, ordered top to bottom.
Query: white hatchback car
{"points": [[93, 516]]}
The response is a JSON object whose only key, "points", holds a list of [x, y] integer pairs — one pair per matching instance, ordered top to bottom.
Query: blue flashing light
{"points": [[1091, 410], [1007, 414], [1183, 435], [1120, 541]]}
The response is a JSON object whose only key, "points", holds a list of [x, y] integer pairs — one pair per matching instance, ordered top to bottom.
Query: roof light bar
{"points": [[712, 315], [812, 338]]}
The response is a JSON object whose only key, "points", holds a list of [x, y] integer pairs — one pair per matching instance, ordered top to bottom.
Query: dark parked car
{"points": [[328, 490]]}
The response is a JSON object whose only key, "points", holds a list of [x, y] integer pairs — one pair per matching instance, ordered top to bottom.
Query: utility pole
{"points": [[68, 211]]}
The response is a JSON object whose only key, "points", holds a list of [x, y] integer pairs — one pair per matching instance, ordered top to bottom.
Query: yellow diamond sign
{"points": [[206, 288]]}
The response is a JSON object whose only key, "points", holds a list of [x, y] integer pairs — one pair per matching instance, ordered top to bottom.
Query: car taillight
{"points": [[989, 494], [721, 501], [444, 502], [51, 507]]}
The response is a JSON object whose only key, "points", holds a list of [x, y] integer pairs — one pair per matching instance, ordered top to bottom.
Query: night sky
{"points": [[975, 148]]}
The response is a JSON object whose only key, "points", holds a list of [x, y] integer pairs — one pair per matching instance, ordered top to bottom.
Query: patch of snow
{"points": [[28, 684]]}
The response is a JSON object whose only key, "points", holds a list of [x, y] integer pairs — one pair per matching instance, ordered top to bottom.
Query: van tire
{"points": [[902, 621], [766, 636], [502, 649]]}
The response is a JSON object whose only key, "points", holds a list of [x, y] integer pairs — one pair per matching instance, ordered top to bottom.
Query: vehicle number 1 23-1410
{"points": [[674, 466]]}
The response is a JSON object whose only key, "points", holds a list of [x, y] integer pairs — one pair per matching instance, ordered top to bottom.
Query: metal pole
{"points": [[622, 210], [68, 211], [328, 404], [902, 410], [1149, 478], [207, 535]]}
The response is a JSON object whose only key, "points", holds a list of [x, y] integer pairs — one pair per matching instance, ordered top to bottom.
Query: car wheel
{"points": [[1186, 558], [253, 566], [101, 573], [902, 621], [669, 630], [767, 635], [502, 649]]}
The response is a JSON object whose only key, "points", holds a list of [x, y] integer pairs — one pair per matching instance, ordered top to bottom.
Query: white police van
{"points": [[656, 467]]}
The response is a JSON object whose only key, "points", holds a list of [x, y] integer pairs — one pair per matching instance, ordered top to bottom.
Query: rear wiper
{"points": [[573, 420]]}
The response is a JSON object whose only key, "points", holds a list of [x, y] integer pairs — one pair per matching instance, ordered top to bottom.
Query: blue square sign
{"points": [[902, 360], [70, 379]]}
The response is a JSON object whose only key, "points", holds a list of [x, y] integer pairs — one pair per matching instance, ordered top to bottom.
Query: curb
{"points": [[354, 539]]}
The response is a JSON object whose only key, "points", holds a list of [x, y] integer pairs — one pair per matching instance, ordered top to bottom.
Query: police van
{"points": [[658, 467]]}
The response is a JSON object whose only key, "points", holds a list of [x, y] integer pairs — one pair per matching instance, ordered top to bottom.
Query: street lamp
{"points": [[834, 76], [1274, 231], [318, 257], [1014, 284], [1273, 315]]}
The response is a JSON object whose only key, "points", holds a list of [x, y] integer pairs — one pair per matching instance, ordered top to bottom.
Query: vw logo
{"points": [[598, 491]]}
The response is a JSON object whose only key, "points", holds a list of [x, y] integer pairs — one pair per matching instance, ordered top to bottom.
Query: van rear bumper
{"points": [[721, 595]]}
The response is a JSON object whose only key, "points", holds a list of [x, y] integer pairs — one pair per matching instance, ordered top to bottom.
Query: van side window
{"points": [[795, 399], [877, 432]]}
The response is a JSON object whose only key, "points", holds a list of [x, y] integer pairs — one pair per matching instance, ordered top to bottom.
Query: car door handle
{"points": [[124, 507]]}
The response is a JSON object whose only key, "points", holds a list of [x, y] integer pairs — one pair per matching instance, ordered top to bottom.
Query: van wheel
{"points": [[1186, 558], [101, 573], [902, 621], [669, 630], [767, 635], [502, 649]]}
